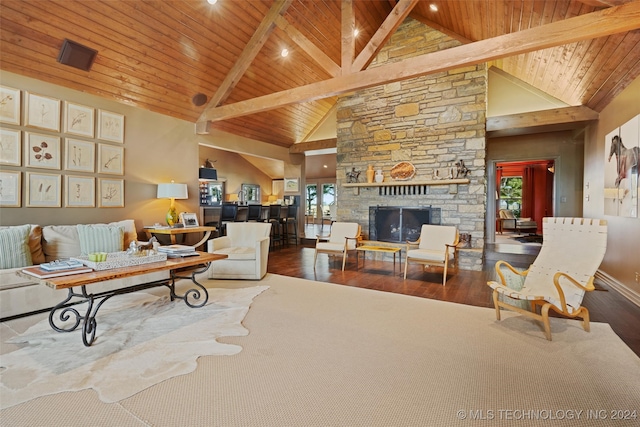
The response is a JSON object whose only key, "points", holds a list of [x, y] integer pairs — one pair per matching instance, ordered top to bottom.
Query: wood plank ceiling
{"points": [[157, 54]]}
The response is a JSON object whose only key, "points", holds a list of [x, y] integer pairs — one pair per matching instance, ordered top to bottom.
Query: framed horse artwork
{"points": [[622, 170]]}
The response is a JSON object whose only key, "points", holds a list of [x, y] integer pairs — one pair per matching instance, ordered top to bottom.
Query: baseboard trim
{"points": [[630, 294]]}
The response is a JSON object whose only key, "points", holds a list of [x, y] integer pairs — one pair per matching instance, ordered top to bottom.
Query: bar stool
{"points": [[254, 213], [228, 214], [291, 224], [277, 235]]}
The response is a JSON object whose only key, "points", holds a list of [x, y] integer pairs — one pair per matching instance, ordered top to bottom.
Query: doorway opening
{"points": [[526, 190]]}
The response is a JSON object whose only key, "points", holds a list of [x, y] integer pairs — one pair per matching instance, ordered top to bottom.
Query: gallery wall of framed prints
{"points": [[58, 153]]}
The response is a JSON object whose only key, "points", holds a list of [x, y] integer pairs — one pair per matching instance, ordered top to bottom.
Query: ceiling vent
{"points": [[76, 55]]}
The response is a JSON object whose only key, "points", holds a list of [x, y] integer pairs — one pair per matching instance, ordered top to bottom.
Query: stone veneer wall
{"points": [[430, 121]]}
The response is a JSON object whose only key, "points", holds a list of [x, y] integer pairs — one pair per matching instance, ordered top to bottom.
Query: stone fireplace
{"points": [[430, 122]]}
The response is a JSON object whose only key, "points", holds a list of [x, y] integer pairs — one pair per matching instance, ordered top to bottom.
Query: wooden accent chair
{"points": [[343, 238], [436, 247], [571, 253]]}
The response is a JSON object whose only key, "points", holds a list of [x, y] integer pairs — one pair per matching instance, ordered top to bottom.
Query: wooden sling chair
{"points": [[571, 253]]}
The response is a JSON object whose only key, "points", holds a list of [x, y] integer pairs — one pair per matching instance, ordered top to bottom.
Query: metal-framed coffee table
{"points": [[78, 284]]}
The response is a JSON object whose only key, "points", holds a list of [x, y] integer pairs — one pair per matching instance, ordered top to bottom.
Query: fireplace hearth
{"points": [[398, 224]]}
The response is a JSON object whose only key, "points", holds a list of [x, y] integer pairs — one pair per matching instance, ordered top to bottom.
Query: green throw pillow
{"points": [[100, 238], [14, 247]]}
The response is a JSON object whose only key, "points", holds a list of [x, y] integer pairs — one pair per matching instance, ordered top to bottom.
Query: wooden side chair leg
{"points": [[315, 257], [344, 259], [406, 265], [444, 274], [495, 303], [585, 319], [545, 320]]}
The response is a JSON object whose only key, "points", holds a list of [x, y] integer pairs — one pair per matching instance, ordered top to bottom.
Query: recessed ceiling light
{"points": [[212, 1], [433, 7], [356, 32], [284, 53], [325, 166]]}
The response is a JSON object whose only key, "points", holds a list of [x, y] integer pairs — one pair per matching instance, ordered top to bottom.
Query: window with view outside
{"points": [[511, 194], [328, 198], [312, 199]]}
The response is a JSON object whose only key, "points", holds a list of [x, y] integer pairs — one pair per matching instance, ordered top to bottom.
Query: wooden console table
{"points": [[173, 232], [194, 297]]}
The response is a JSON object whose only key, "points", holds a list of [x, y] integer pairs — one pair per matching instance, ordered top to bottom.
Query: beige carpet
{"points": [[327, 355]]}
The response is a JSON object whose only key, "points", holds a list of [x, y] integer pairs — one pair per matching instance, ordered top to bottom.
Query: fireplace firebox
{"points": [[398, 224]]}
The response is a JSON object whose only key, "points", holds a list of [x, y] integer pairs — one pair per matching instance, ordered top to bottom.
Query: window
{"points": [[511, 194], [312, 199]]}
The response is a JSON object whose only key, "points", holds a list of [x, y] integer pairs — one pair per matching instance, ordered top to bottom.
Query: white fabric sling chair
{"points": [[571, 253]]}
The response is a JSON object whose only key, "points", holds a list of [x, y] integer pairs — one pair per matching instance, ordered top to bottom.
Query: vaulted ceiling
{"points": [[158, 54]]}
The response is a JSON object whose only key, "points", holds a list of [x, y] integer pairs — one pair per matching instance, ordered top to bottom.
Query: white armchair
{"points": [[247, 247]]}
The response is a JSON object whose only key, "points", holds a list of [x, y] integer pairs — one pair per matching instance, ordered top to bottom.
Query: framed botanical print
{"points": [[10, 105], [42, 112], [79, 120], [110, 126], [10, 145], [42, 151], [79, 155], [110, 159], [10, 186], [43, 190], [80, 191], [110, 193]]}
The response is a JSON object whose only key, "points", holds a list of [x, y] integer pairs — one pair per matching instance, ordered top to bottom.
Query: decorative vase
{"points": [[370, 173], [379, 176]]}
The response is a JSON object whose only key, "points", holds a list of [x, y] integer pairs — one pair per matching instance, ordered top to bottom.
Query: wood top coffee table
{"points": [[372, 247], [77, 285]]}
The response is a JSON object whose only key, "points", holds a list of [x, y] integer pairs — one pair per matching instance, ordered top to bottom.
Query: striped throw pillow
{"points": [[100, 238], [14, 247]]}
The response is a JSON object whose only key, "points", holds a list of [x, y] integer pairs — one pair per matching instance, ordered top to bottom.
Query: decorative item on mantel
{"points": [[462, 170], [403, 171], [370, 174], [379, 176], [352, 177]]}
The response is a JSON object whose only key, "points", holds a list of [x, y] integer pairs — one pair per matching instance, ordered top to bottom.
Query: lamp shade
{"points": [[172, 191]]}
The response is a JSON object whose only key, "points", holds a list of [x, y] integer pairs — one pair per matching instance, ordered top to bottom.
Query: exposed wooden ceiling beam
{"points": [[589, 26], [382, 35], [348, 40], [307, 45], [249, 53], [540, 121], [320, 144]]}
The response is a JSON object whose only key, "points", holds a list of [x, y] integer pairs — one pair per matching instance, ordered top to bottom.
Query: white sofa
{"points": [[247, 248], [22, 296]]}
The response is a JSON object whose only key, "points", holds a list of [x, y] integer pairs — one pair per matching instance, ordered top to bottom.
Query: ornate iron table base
{"points": [[194, 298]]}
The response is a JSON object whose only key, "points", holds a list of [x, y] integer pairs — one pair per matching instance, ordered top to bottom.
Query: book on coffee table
{"points": [[176, 249], [40, 273]]}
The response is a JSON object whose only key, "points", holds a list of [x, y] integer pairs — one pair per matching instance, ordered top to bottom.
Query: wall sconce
{"points": [[172, 191]]}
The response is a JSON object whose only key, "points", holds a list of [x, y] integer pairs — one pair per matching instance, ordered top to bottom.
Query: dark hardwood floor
{"points": [[464, 287]]}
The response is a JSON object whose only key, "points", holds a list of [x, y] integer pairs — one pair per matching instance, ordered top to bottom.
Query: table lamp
{"points": [[172, 191]]}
